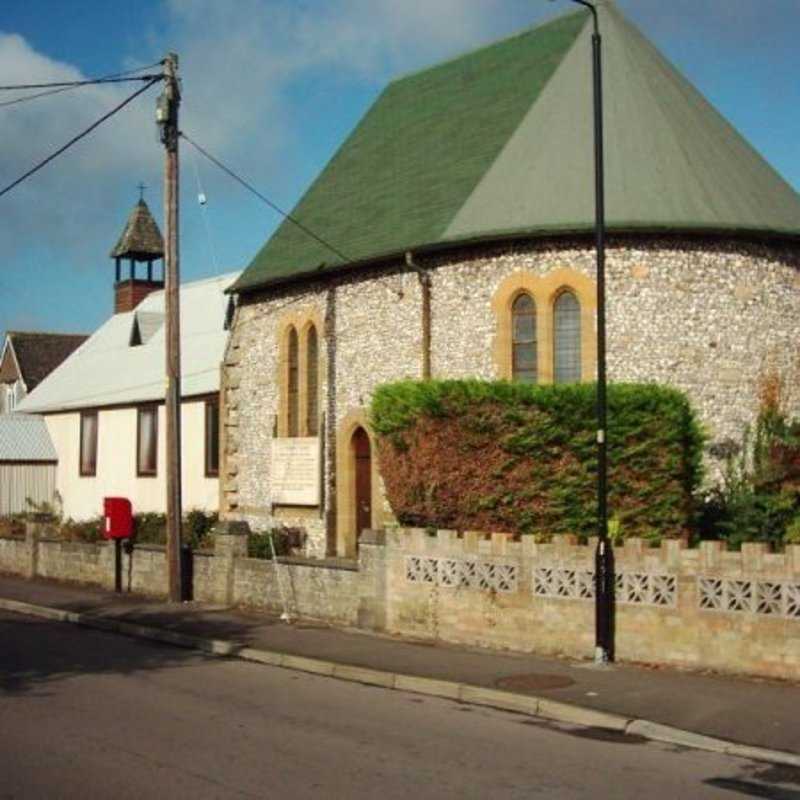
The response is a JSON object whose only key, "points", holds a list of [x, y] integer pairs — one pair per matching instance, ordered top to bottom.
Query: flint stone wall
{"points": [[712, 319]]}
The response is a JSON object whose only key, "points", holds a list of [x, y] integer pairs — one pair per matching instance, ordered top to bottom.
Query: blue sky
{"points": [[272, 87]]}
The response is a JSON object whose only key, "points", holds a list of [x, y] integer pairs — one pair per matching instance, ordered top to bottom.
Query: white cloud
{"points": [[240, 60], [61, 207]]}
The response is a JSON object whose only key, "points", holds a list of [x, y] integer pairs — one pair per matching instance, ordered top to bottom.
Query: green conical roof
{"points": [[499, 142]]}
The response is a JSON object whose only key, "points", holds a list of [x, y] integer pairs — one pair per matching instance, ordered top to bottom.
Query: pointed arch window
{"points": [[566, 338], [524, 345], [301, 372], [312, 382], [292, 383]]}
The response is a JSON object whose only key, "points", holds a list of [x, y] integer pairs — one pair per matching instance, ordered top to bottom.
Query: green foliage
{"points": [[514, 457], [758, 499], [41, 511], [12, 527], [197, 527], [149, 528], [88, 530], [793, 531], [258, 544]]}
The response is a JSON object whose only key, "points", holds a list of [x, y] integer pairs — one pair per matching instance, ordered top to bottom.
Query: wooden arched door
{"points": [[362, 454]]}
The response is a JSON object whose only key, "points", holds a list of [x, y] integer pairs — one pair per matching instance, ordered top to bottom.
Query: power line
{"points": [[101, 78], [72, 84], [36, 96], [80, 136], [201, 199], [266, 200]]}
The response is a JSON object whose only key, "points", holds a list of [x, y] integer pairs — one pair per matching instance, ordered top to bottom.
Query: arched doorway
{"points": [[362, 473], [358, 498]]}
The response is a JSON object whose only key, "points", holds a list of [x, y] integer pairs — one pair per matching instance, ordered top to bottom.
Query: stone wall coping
{"points": [[231, 527], [374, 537], [67, 542], [68, 545], [151, 546], [672, 555], [254, 563], [320, 563]]}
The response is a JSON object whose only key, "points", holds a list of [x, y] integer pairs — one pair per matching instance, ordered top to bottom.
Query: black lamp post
{"points": [[604, 556]]}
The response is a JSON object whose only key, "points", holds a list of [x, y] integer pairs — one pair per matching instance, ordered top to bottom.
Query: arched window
{"points": [[523, 323], [566, 338], [312, 382], [292, 385]]}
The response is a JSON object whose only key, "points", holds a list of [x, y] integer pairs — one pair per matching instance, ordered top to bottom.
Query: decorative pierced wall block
{"points": [[420, 569], [449, 572], [452, 573], [575, 584], [634, 588], [644, 588], [792, 592], [770, 598]]}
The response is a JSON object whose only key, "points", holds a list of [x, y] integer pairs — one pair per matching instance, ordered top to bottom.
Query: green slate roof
{"points": [[499, 143]]}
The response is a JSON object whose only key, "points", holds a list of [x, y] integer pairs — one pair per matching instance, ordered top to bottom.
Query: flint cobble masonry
{"points": [[712, 318]]}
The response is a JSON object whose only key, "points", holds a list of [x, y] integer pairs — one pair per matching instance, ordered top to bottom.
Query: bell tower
{"points": [[141, 243]]}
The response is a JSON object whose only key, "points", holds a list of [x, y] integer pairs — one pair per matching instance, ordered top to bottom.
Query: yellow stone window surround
{"points": [[544, 289], [301, 321]]}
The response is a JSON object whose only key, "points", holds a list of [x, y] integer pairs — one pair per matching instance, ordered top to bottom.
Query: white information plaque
{"points": [[296, 471]]}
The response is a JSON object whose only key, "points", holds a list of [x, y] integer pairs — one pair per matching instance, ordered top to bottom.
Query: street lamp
{"points": [[604, 556]]}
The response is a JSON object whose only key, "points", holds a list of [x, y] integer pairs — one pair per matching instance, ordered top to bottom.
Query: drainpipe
{"points": [[425, 287], [330, 422]]}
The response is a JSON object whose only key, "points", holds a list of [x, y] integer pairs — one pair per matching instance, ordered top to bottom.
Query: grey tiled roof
{"points": [[39, 353]]}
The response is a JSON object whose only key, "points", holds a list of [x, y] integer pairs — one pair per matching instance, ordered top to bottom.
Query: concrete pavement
{"points": [[705, 711], [91, 715]]}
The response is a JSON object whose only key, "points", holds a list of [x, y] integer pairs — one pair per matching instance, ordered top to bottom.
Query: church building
{"points": [[453, 238]]}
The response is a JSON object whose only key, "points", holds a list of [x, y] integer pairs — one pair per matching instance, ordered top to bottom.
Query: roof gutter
{"points": [[735, 234]]}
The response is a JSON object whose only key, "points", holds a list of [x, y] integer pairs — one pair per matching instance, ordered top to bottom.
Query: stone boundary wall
{"points": [[15, 557], [79, 562], [346, 593], [702, 608]]}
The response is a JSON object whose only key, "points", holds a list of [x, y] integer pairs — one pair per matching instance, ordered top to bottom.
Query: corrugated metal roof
{"points": [[499, 143], [107, 370], [24, 437]]}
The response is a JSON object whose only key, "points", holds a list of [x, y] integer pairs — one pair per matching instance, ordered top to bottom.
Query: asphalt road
{"points": [[85, 714]]}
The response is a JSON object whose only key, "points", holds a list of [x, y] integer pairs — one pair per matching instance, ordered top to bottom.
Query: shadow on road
{"points": [[34, 652]]}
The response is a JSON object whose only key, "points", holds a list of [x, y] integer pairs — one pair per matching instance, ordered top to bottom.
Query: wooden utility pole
{"points": [[167, 115]]}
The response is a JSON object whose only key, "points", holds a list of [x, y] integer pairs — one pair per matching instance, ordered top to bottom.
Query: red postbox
{"points": [[118, 513]]}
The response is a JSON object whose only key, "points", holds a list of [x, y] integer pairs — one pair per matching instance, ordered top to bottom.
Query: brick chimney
{"points": [[140, 243]]}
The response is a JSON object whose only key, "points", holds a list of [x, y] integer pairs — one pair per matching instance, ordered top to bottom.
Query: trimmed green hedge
{"points": [[500, 456]]}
